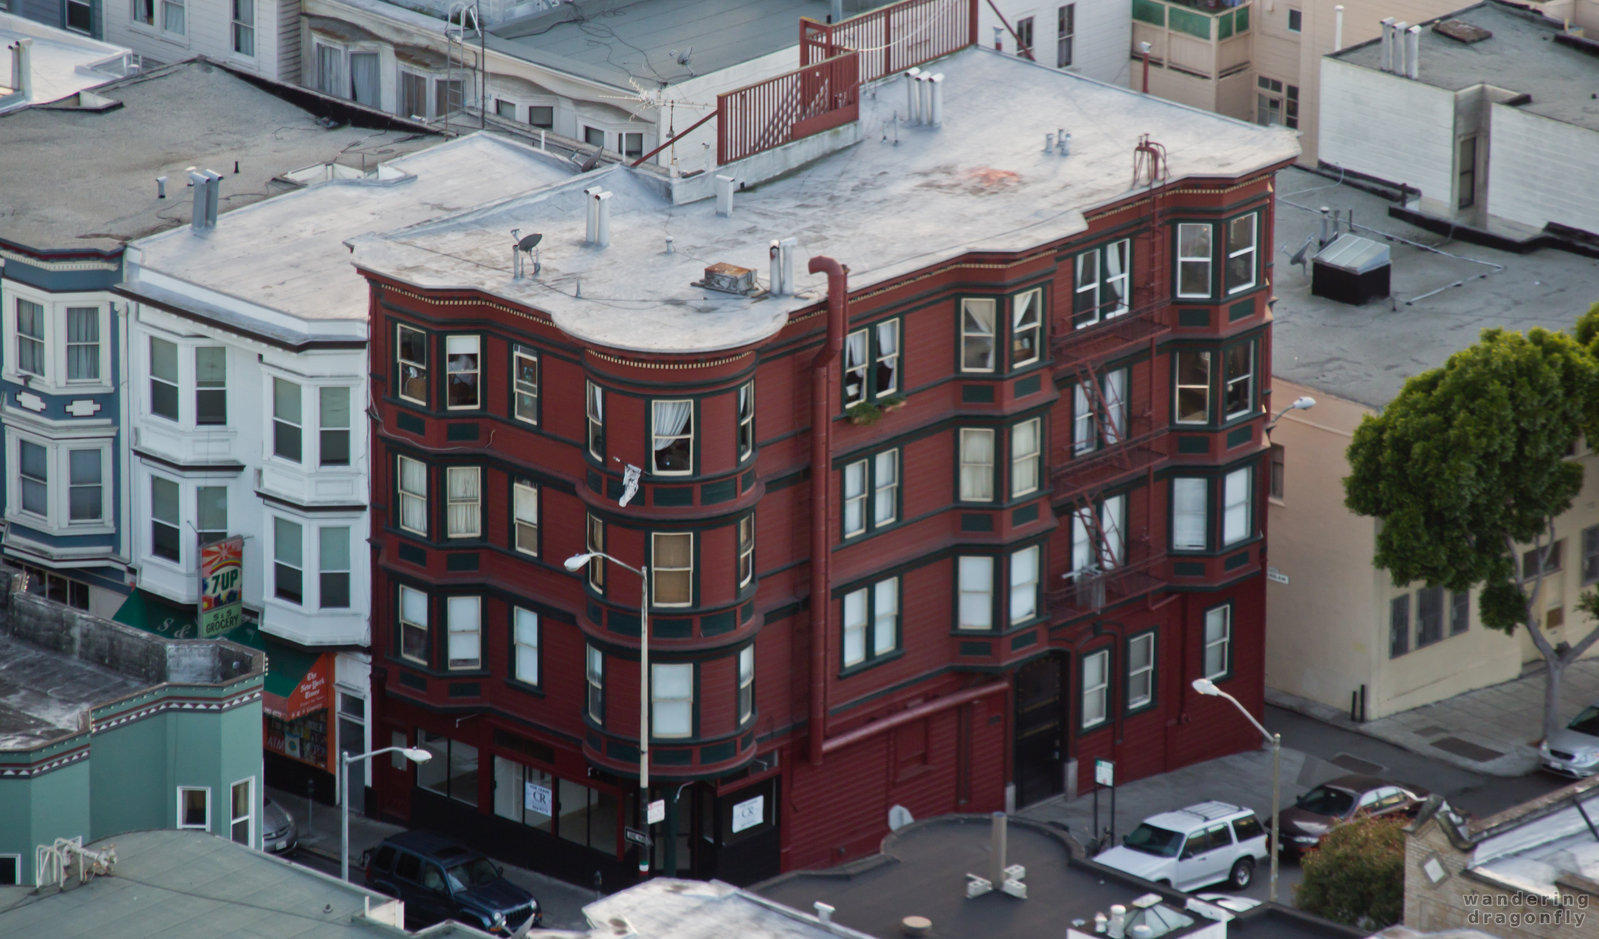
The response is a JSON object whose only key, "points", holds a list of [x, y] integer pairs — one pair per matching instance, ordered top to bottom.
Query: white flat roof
{"points": [[64, 63], [902, 199], [288, 254]]}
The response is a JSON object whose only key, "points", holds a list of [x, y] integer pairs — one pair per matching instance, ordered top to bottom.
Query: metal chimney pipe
{"points": [[1338, 27], [1388, 44], [1398, 45], [1413, 52], [22, 68], [910, 95], [924, 98], [935, 114], [1049, 142], [160, 187], [213, 191], [724, 195], [1325, 212], [197, 216], [590, 217], [602, 219], [996, 850]]}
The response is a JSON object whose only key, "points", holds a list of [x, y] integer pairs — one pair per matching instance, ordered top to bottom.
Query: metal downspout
{"points": [[821, 514]]}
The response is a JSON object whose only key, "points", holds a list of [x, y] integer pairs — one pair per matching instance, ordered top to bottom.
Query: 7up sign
{"points": [[221, 586]]}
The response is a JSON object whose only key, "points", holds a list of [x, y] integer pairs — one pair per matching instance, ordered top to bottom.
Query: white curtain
{"points": [[172, 18], [329, 70], [364, 81], [1116, 279], [977, 335], [83, 343], [887, 357], [855, 367], [671, 418], [1082, 419], [1024, 457], [977, 465], [886, 485], [413, 495], [855, 497], [1235, 498], [464, 502], [1188, 513], [1110, 523], [1082, 544], [976, 576], [1023, 584], [414, 606], [527, 646], [466, 649], [672, 688]]}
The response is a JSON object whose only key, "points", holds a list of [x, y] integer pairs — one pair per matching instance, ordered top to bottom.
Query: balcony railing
{"points": [[1108, 337], [1135, 452], [1088, 592]]}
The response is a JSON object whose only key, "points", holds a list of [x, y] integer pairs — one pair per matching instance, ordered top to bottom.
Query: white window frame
{"points": [[167, 9], [242, 26], [1065, 31], [337, 84], [426, 110], [1249, 251], [1197, 257], [1085, 289], [54, 310], [1027, 319], [972, 335], [68, 343], [463, 344], [1205, 356], [402, 363], [1245, 378], [175, 382], [210, 387], [524, 393], [594, 409], [746, 421], [297, 424], [325, 425], [1089, 432], [662, 438], [1026, 458], [976, 473], [24, 479], [57, 482], [871, 489], [410, 498], [468, 505], [1237, 505], [1190, 513], [525, 517], [1113, 523], [175, 524], [746, 549], [278, 561], [658, 570], [324, 571], [974, 586], [1024, 602], [871, 622], [463, 624], [418, 625], [1218, 640], [525, 663], [1144, 673], [594, 676], [746, 684], [1096, 688], [671, 700], [248, 818], [186, 826]]}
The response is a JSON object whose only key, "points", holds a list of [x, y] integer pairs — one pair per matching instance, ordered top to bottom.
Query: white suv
{"points": [[1193, 847]]}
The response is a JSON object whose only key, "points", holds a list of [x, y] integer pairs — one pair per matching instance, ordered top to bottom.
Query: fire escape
{"points": [[1125, 443]]}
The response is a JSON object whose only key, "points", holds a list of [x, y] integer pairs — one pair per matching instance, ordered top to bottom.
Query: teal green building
{"points": [[106, 729]]}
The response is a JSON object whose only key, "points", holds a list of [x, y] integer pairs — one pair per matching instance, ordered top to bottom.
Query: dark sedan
{"points": [[1338, 800]]}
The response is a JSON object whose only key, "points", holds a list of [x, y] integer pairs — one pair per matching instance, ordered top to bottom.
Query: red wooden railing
{"points": [[893, 38], [787, 107]]}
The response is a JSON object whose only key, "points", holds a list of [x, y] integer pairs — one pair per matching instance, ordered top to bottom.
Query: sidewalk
{"points": [[1492, 730], [561, 902]]}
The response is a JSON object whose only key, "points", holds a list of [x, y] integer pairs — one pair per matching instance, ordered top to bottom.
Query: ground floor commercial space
{"points": [[1113, 689], [314, 701]]}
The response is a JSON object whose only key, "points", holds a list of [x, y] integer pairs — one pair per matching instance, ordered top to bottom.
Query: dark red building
{"points": [[1038, 416]]}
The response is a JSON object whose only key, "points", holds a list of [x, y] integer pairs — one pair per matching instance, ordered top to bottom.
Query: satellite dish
{"points": [[684, 56], [590, 161], [530, 242], [898, 817]]}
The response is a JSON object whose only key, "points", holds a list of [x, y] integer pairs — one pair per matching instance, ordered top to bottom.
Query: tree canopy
{"points": [[1471, 458], [1357, 874]]}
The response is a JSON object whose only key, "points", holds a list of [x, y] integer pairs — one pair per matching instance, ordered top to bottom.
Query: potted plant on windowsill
{"points": [[891, 404], [863, 412]]}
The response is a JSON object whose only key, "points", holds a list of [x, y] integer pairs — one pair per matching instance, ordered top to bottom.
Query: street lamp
{"points": [[1301, 403], [576, 563], [1207, 687], [414, 754]]}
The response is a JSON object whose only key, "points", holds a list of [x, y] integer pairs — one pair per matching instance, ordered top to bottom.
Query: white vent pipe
{"points": [[1338, 27], [1388, 44], [1398, 45], [1413, 52], [22, 68], [911, 109], [935, 115], [724, 195], [781, 254]]}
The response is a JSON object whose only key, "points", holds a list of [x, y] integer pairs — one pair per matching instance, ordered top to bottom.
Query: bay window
{"points": [[1241, 236], [1194, 254], [1027, 327], [977, 335], [83, 343], [411, 364], [462, 372], [1238, 376], [163, 379], [210, 385], [1193, 386], [525, 393], [333, 414], [286, 420], [746, 420], [596, 421], [672, 433], [1026, 457], [976, 464], [34, 472], [413, 486], [1237, 498], [1190, 502], [463, 510], [525, 511], [165, 535], [746, 550], [288, 561], [334, 561], [672, 568], [974, 577], [1024, 581], [871, 622], [413, 625], [464, 628], [525, 646], [595, 676], [746, 684], [671, 700]]}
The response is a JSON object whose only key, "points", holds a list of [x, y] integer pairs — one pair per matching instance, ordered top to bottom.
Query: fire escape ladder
{"points": [[1110, 425], [1089, 579]]}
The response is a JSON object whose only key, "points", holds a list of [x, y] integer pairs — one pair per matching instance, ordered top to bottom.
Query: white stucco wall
{"points": [[208, 31], [1102, 37], [1387, 126], [1542, 170]]}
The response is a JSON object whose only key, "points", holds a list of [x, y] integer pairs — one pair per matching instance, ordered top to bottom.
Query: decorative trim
{"points": [[42, 264], [491, 304], [668, 366], [175, 704], [23, 772]]}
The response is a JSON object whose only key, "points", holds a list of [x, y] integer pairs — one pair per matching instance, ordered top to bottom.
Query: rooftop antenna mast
{"points": [[455, 30]]}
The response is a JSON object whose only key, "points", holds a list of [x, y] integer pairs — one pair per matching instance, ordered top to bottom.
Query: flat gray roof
{"points": [[614, 40], [1520, 56], [63, 62], [77, 179], [902, 199], [287, 254], [1365, 353], [45, 694], [170, 884], [669, 908]]}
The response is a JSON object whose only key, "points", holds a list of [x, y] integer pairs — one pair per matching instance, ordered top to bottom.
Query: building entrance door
{"points": [[1040, 729]]}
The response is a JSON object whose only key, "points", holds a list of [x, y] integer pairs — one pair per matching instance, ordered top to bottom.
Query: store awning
{"points": [[296, 681]]}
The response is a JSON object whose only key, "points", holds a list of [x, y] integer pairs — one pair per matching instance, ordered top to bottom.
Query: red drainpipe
{"points": [[821, 433]]}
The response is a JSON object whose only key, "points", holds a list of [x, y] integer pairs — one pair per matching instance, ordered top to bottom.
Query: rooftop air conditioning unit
{"points": [[728, 278]]}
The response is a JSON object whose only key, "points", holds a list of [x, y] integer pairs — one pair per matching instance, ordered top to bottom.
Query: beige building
{"points": [[1259, 60], [1518, 873]]}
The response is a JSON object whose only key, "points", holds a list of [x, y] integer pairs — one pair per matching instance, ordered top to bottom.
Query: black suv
{"points": [[439, 879]]}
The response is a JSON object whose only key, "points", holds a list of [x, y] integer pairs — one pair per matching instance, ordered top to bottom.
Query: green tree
{"points": [[1469, 462], [1357, 874]]}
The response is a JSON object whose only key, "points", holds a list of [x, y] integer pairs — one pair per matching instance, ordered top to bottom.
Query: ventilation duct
{"points": [[1388, 44], [1413, 52], [22, 68], [207, 185], [724, 195], [598, 230], [782, 256]]}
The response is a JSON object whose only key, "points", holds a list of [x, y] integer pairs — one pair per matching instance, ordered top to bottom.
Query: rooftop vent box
{"points": [[1461, 31], [1351, 269], [728, 278]]}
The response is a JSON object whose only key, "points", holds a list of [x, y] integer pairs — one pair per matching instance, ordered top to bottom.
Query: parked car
{"points": [[1574, 750], [1336, 800], [279, 833], [1203, 844], [440, 878]]}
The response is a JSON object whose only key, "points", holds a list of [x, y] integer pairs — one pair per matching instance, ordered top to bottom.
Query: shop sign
{"points": [[221, 587], [536, 798], [749, 813]]}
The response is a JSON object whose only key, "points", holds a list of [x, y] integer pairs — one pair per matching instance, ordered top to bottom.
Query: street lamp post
{"points": [[575, 563], [1207, 687], [414, 754]]}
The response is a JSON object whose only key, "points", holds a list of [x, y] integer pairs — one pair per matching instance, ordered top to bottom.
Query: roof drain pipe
{"points": [[821, 514]]}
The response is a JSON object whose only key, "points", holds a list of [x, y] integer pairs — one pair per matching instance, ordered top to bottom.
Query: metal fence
{"points": [[893, 38], [787, 107]]}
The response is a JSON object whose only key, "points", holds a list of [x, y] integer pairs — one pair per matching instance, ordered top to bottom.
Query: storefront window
{"points": [[305, 739], [453, 770], [523, 794], [586, 816]]}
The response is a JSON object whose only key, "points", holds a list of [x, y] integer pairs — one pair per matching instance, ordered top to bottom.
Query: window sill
{"points": [[852, 670]]}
